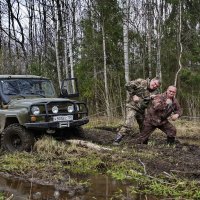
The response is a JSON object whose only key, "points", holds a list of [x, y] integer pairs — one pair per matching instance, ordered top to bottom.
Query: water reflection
{"points": [[102, 188], [24, 190]]}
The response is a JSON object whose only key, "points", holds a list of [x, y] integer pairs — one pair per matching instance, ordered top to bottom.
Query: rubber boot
{"points": [[118, 139], [170, 140], [146, 141]]}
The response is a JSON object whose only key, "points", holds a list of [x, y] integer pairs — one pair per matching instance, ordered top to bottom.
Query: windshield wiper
{"points": [[10, 93], [33, 93], [19, 95]]}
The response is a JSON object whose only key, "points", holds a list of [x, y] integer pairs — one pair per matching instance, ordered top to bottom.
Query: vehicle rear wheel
{"points": [[16, 138]]}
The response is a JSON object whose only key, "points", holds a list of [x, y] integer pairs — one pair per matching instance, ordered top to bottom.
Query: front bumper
{"points": [[56, 125]]}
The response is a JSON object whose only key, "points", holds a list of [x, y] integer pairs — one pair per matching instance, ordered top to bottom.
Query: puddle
{"points": [[102, 188], [24, 190]]}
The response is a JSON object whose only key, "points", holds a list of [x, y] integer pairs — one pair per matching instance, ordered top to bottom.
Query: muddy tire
{"points": [[16, 138]]}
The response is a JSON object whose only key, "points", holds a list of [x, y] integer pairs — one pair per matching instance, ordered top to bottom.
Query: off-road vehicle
{"points": [[29, 106]]}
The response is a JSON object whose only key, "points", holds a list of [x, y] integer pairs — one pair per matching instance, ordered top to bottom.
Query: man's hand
{"points": [[152, 96], [136, 98], [169, 102], [174, 117]]}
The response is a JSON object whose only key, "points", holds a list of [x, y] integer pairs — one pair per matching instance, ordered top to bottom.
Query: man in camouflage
{"points": [[140, 92], [162, 106]]}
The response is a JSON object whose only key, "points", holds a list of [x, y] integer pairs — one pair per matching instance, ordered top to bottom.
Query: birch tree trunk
{"points": [[30, 6], [44, 26], [56, 31], [43, 32], [9, 34], [1, 35], [149, 35], [65, 37], [125, 38], [1, 41], [70, 41], [179, 43], [71, 52], [66, 64], [158, 67], [105, 74], [95, 89]]}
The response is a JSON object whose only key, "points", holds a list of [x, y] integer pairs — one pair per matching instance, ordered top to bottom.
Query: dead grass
{"points": [[104, 121], [185, 128], [188, 128], [49, 146], [52, 159]]}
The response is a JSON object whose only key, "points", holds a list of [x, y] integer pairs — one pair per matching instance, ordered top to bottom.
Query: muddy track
{"points": [[182, 159]]}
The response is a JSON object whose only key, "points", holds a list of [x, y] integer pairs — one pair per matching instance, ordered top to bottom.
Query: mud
{"points": [[182, 159]]}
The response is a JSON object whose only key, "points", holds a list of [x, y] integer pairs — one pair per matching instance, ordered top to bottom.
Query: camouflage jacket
{"points": [[139, 87], [159, 110]]}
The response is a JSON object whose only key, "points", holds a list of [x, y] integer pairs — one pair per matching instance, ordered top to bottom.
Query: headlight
{"points": [[55, 109], [70, 109], [35, 110]]}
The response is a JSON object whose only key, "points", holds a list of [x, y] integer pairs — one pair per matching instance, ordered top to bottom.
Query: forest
{"points": [[105, 43]]}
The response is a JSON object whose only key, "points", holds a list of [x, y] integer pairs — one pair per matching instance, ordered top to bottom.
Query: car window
{"points": [[25, 86], [10, 87], [28, 87]]}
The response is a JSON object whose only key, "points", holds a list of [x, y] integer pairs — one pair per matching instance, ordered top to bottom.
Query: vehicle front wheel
{"points": [[16, 138]]}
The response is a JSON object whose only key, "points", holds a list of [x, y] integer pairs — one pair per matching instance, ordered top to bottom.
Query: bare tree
{"points": [[149, 8], [159, 9], [31, 11], [65, 13], [15, 17], [44, 25], [56, 31], [1, 35], [125, 37], [1, 40], [70, 40], [179, 43], [105, 74]]}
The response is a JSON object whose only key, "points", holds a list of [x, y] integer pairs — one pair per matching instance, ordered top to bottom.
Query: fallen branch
{"points": [[89, 145], [145, 172], [197, 172], [168, 175], [11, 197]]}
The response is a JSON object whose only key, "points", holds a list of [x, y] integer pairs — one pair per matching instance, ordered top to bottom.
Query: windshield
{"points": [[24, 87]]}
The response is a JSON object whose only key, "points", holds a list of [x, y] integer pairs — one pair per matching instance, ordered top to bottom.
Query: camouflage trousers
{"points": [[132, 116], [148, 128]]}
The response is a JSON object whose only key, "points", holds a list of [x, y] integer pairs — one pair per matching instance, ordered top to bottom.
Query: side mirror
{"points": [[69, 88]]}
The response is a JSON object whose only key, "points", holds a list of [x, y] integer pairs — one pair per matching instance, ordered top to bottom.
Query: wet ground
{"points": [[182, 159], [102, 188]]}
